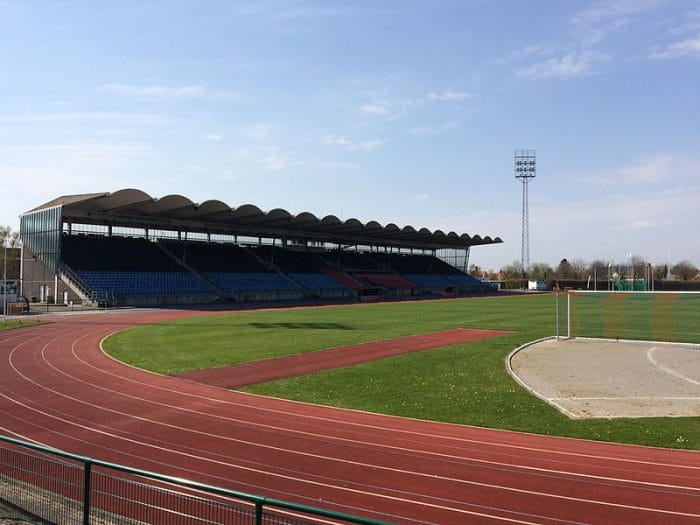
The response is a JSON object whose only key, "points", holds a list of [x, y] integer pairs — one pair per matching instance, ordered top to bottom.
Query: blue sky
{"points": [[399, 111]]}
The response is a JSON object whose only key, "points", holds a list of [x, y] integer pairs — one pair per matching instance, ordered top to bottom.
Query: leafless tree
{"points": [[9, 239], [639, 266], [579, 268], [599, 269], [513, 270], [564, 270], [685, 270], [540, 271], [660, 272]]}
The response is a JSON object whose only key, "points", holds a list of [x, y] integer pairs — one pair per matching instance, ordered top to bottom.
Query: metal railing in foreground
{"points": [[52, 486]]}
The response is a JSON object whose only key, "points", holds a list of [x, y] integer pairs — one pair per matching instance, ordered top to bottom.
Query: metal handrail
{"points": [[73, 276], [258, 501]]}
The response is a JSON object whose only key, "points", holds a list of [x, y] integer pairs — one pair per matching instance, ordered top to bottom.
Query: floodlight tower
{"points": [[525, 169]]}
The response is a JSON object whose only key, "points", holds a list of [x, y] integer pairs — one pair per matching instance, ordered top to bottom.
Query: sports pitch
{"points": [[464, 383]]}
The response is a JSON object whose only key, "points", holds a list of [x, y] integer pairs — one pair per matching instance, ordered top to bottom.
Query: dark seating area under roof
{"points": [[135, 208]]}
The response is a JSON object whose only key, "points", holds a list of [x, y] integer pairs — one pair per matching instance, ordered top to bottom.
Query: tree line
{"points": [[578, 269]]}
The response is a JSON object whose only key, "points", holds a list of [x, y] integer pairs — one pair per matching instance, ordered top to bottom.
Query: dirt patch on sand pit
{"points": [[253, 372], [592, 378]]}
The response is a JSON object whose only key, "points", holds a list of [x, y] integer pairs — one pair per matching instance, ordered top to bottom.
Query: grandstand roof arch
{"points": [[120, 199], [170, 204], [134, 208], [210, 209], [246, 212], [305, 218], [465, 237]]}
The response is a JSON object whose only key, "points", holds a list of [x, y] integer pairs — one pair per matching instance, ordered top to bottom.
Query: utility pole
{"points": [[525, 169]]}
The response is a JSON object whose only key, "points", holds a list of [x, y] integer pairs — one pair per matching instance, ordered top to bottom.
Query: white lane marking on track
{"points": [[650, 356], [575, 398], [377, 427], [393, 430], [9, 431], [355, 442], [458, 458], [234, 466], [241, 467], [179, 487], [497, 487], [371, 494], [312, 498]]}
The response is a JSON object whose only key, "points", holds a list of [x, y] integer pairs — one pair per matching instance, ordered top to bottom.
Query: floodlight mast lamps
{"points": [[525, 169]]}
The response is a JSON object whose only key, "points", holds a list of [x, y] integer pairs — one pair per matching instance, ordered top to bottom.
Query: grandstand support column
{"points": [[21, 269]]}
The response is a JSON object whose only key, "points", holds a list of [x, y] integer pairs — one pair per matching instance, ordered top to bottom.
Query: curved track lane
{"points": [[58, 388]]}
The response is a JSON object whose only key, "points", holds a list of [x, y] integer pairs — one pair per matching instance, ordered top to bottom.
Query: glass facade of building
{"points": [[40, 231]]}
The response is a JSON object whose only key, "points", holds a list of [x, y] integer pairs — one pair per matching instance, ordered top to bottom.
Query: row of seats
{"points": [[97, 252], [215, 257], [126, 265], [385, 280], [242, 282], [140, 283]]}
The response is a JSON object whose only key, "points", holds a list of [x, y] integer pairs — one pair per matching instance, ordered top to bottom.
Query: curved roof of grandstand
{"points": [[133, 207]]}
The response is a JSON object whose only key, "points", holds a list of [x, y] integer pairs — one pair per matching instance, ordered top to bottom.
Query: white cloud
{"points": [[616, 10], [316, 12], [690, 23], [690, 46], [528, 51], [570, 65], [153, 90], [193, 91], [448, 95], [379, 110], [139, 119], [434, 129], [258, 131], [214, 136], [349, 144], [269, 158], [275, 160], [331, 165], [653, 170], [42, 172], [227, 175], [418, 199], [639, 221]]}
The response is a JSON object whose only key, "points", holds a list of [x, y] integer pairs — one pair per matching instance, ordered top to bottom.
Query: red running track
{"points": [[263, 370], [58, 388]]}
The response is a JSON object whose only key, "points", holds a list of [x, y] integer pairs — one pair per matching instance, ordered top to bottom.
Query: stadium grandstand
{"points": [[128, 248]]}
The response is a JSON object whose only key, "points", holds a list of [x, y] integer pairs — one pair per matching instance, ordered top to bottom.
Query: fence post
{"points": [[557, 314], [568, 315], [87, 476], [258, 512]]}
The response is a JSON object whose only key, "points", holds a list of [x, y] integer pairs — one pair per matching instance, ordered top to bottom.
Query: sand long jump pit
{"points": [[594, 378]]}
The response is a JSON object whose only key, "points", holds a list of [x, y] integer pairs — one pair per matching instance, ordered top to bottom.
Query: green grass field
{"points": [[9, 325], [465, 383]]}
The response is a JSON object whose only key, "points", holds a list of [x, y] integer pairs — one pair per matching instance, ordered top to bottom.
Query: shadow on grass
{"points": [[303, 326]]}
